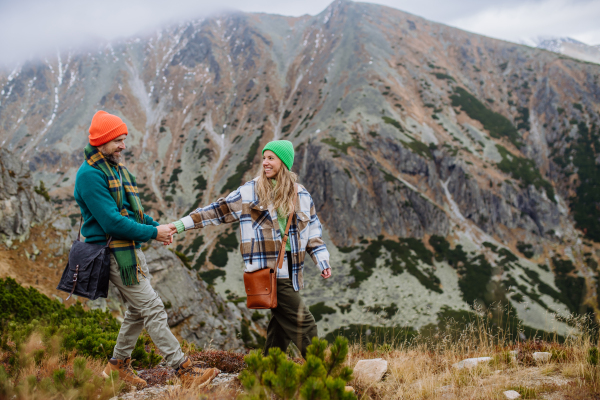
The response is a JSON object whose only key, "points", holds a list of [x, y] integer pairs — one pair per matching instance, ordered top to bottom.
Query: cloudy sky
{"points": [[30, 28]]}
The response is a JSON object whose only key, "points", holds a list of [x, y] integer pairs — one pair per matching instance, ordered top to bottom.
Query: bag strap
{"points": [[287, 229], [79, 233]]}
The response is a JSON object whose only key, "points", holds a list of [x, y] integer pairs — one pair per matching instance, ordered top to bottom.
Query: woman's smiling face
{"points": [[271, 164]]}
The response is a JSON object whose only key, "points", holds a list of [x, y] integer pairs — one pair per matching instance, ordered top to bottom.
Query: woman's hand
{"points": [[326, 273]]}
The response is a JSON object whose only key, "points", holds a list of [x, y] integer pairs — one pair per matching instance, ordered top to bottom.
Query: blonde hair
{"points": [[280, 195]]}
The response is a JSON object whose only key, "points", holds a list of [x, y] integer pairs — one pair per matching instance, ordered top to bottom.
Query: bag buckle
{"points": [[74, 282]]}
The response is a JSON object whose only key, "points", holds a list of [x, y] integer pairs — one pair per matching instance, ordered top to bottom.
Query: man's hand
{"points": [[165, 234], [326, 273]]}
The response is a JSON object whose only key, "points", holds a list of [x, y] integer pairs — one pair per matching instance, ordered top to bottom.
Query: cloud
{"points": [[550, 18], [38, 28]]}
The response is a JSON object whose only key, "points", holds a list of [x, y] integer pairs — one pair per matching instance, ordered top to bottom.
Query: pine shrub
{"points": [[90, 333], [322, 376]]}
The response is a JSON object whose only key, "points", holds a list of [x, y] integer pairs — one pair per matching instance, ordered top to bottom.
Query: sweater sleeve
{"points": [[96, 195], [149, 221]]}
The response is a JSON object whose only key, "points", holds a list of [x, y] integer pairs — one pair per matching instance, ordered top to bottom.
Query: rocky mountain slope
{"points": [[572, 48], [447, 168]]}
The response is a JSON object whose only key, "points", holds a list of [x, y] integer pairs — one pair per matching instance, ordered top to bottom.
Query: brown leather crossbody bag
{"points": [[261, 285]]}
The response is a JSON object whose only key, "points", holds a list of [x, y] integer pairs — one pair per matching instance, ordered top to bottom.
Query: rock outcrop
{"points": [[21, 206]]}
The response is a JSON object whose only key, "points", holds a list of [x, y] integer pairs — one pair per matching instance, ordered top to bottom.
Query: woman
{"points": [[257, 205]]}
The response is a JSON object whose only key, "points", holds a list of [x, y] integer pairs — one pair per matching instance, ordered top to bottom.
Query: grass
{"points": [[498, 125], [420, 363]]}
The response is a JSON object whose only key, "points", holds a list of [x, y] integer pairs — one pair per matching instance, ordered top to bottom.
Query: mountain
{"points": [[572, 48], [448, 169]]}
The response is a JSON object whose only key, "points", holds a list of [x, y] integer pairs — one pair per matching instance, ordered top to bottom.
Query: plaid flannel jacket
{"points": [[260, 233]]}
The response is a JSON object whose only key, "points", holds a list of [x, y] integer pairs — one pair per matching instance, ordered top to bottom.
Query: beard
{"points": [[114, 158]]}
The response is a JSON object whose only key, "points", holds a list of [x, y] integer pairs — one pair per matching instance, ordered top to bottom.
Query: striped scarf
{"points": [[123, 250]]}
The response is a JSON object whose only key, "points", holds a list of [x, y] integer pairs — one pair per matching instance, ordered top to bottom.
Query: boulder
{"points": [[542, 356], [471, 362], [370, 371], [512, 394]]}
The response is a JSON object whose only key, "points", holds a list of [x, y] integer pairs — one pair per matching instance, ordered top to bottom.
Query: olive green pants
{"points": [[145, 309], [291, 321]]}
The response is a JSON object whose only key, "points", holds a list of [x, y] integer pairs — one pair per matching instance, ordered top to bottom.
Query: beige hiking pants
{"points": [[145, 309]]}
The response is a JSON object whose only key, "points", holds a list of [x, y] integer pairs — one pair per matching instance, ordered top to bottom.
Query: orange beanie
{"points": [[105, 127]]}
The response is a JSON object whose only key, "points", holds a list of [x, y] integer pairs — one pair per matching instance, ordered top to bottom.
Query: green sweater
{"points": [[101, 216]]}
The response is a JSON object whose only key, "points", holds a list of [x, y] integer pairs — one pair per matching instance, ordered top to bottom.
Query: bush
{"points": [[497, 124], [524, 170], [234, 181], [42, 191], [219, 257], [211, 275], [320, 309], [90, 333], [322, 376]]}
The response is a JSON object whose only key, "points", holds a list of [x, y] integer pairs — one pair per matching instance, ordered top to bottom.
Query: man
{"points": [[110, 206]]}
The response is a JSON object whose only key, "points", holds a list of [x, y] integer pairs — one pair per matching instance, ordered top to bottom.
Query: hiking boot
{"points": [[126, 372], [193, 376]]}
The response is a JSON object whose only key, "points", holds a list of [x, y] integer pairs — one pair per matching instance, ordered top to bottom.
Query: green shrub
{"points": [[440, 75], [393, 122], [497, 124], [343, 147], [524, 170], [175, 175], [235, 180], [200, 183], [42, 191], [583, 204], [196, 243], [525, 249], [408, 252], [219, 257], [184, 259], [200, 261], [475, 273], [210, 276], [573, 288], [320, 309], [90, 333], [593, 356], [322, 376]]}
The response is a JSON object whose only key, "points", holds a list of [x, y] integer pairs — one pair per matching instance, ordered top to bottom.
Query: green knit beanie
{"points": [[284, 149]]}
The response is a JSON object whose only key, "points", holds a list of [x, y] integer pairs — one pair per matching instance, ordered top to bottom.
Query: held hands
{"points": [[165, 233], [326, 273]]}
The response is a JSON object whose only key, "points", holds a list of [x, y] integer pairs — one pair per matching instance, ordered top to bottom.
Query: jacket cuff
{"points": [[179, 225], [155, 233], [323, 265]]}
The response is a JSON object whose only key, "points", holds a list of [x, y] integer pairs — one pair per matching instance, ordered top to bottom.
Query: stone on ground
{"points": [[542, 356], [471, 362], [370, 371], [511, 394]]}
